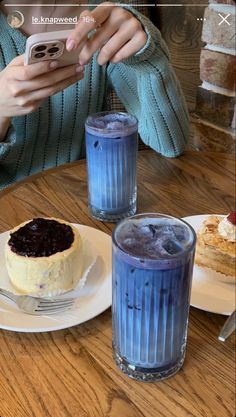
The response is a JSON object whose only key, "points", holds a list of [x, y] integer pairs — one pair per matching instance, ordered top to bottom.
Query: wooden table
{"points": [[71, 372]]}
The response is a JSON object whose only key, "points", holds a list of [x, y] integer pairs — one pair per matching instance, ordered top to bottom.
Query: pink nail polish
{"points": [[70, 44], [53, 64], [79, 68]]}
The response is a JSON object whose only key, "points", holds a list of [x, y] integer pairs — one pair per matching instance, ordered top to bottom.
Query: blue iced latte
{"points": [[111, 153], [153, 258]]}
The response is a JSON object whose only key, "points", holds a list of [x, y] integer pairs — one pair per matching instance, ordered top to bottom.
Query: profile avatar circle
{"points": [[15, 19]]}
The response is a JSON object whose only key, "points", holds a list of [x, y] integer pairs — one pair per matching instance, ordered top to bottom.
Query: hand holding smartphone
{"points": [[50, 46], [23, 87]]}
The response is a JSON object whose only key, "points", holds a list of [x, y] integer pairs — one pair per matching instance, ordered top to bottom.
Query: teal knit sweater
{"points": [[54, 134]]}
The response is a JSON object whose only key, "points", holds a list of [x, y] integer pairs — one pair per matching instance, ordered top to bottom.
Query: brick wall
{"points": [[215, 108]]}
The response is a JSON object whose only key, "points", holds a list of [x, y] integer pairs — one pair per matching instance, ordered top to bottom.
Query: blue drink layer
{"points": [[111, 151], [152, 271]]}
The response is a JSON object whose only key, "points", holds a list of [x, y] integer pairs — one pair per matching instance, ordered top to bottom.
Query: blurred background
{"points": [[201, 39]]}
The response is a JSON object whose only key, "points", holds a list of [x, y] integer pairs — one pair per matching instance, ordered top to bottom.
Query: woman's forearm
{"points": [[4, 125]]}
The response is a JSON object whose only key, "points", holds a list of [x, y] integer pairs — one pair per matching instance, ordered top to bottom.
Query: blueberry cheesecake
{"points": [[44, 256]]}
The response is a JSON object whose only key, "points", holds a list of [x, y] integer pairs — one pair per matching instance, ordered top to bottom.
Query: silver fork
{"points": [[39, 306], [228, 328]]}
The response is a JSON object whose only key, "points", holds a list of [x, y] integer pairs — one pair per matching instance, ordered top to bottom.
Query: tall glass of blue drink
{"points": [[111, 153], [152, 259]]}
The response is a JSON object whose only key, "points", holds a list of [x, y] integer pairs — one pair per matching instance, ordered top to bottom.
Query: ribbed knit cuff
{"points": [[147, 50]]}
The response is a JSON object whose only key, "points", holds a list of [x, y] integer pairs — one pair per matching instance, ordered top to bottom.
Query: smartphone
{"points": [[50, 46]]}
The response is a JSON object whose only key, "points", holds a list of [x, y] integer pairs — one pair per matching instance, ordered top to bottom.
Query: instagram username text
{"points": [[61, 20]]}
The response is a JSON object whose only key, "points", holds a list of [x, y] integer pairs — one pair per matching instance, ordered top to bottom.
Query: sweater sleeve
{"points": [[148, 88], [7, 144]]}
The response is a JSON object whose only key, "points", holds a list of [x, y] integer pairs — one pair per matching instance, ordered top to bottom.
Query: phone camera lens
{"points": [[40, 48], [53, 50], [39, 55]]}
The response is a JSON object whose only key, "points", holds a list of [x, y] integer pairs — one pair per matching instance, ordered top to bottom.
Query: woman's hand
{"points": [[118, 34], [24, 88]]}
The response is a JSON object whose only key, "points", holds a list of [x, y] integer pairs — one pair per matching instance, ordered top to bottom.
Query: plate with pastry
{"points": [[49, 257], [213, 287]]}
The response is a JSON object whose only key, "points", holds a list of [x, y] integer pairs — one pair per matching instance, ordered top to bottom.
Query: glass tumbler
{"points": [[111, 153], [152, 259]]}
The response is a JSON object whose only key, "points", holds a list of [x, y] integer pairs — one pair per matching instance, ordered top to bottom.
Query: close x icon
{"points": [[224, 19]]}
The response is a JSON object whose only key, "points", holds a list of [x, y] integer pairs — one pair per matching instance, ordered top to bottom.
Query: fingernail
{"points": [[70, 44], [53, 64], [79, 68]]}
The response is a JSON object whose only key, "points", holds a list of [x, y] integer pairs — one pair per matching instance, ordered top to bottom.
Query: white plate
{"points": [[208, 293], [94, 299]]}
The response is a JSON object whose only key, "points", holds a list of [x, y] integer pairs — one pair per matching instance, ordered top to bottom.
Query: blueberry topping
{"points": [[41, 237]]}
